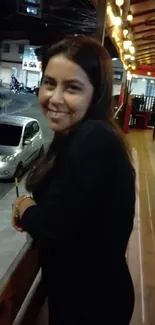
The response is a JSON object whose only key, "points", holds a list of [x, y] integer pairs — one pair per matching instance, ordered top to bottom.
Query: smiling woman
{"points": [[65, 94], [82, 211]]}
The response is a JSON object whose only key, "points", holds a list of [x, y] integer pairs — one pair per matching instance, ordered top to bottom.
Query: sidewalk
{"points": [[4, 104], [11, 242]]}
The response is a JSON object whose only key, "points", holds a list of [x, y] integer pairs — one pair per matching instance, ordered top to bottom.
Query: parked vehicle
{"points": [[32, 65], [21, 86], [31, 90], [21, 142]]}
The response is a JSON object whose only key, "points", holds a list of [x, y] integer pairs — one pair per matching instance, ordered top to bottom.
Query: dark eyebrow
{"points": [[48, 77], [69, 81], [75, 81]]}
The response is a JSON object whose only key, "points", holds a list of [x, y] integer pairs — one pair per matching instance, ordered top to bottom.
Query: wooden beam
{"points": [[142, 6], [145, 12], [143, 31], [142, 49], [145, 56]]}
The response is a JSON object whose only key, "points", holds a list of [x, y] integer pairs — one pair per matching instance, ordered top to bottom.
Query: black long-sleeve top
{"points": [[82, 223]]}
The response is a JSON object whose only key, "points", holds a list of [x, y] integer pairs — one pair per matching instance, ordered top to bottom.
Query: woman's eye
{"points": [[49, 83], [74, 88]]}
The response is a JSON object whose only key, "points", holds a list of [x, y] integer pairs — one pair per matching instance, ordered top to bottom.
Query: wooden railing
{"points": [[118, 111], [119, 115], [21, 292]]}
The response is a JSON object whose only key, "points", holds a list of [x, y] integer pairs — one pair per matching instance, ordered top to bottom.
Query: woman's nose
{"points": [[57, 97]]}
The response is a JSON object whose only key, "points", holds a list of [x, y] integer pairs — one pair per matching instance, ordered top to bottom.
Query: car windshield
{"points": [[10, 135]]}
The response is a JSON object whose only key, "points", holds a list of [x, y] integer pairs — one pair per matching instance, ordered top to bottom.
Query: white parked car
{"points": [[21, 141]]}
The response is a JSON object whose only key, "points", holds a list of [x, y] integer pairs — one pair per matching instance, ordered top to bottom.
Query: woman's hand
{"points": [[20, 205]]}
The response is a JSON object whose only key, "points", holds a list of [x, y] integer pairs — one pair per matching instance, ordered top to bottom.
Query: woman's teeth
{"points": [[55, 114]]}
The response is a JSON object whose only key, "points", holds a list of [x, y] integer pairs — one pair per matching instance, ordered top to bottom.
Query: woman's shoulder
{"points": [[92, 131]]}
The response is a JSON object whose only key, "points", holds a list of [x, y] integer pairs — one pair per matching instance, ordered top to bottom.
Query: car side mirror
{"points": [[27, 142]]}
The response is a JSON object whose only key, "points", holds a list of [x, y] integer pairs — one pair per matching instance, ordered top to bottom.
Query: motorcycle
{"points": [[31, 90]]}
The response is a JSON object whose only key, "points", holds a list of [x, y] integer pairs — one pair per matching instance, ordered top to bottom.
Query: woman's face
{"points": [[65, 93]]}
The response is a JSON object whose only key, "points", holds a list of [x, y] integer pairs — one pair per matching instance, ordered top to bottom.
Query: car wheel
{"points": [[19, 172]]}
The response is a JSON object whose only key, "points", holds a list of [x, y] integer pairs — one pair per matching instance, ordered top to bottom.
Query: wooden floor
{"points": [[141, 249]]}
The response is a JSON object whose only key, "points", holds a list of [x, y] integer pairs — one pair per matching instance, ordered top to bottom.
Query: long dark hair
{"points": [[95, 61]]}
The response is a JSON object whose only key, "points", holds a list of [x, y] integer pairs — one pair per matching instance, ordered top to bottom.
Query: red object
{"points": [[143, 70], [121, 97], [145, 115], [127, 118], [140, 121]]}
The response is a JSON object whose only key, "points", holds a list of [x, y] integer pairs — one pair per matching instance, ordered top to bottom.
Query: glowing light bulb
{"points": [[119, 2], [129, 16], [117, 21], [125, 32], [126, 44], [132, 49], [126, 56], [132, 58], [149, 73]]}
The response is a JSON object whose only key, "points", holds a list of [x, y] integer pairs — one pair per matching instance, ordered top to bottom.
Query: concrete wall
{"points": [[13, 55], [11, 63]]}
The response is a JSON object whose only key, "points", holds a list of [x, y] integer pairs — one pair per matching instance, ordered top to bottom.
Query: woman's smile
{"points": [[56, 114]]}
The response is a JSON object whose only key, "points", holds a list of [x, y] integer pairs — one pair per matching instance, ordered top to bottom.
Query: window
{"points": [[36, 2], [29, 7], [32, 11], [6, 48], [21, 49], [35, 128], [5, 131], [28, 132]]}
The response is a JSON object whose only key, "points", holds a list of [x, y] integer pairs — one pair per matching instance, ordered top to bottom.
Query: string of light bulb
{"points": [[120, 3], [126, 47], [128, 57]]}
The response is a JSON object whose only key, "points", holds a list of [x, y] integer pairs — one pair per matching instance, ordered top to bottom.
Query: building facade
{"points": [[11, 63]]}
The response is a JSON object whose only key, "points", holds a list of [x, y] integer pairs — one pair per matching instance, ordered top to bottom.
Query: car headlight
{"points": [[9, 158]]}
